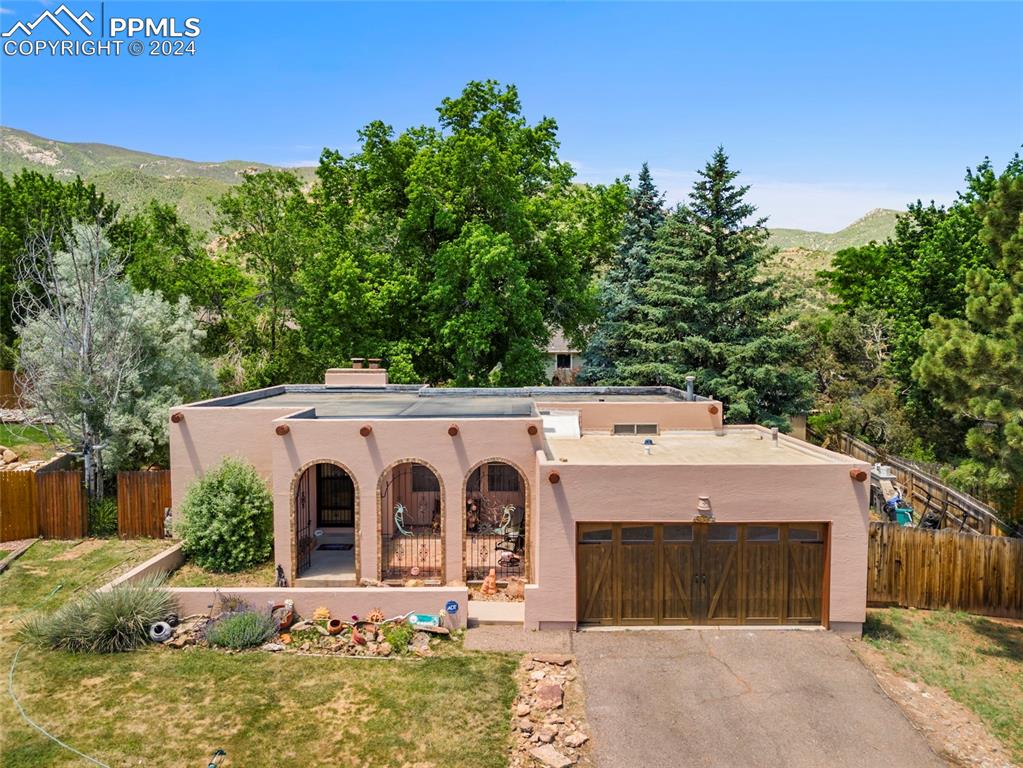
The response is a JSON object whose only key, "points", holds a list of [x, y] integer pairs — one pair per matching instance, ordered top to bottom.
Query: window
{"points": [[564, 361], [634, 429], [502, 477], [423, 479], [678, 533], [723, 533], [762, 533], [645, 534], [804, 534], [598, 536]]}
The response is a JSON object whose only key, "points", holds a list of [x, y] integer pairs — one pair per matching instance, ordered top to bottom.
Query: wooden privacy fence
{"points": [[9, 390], [142, 502], [51, 504], [919, 568]]}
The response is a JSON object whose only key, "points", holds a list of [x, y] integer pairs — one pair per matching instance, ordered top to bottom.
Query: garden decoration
{"points": [[399, 519], [489, 586], [321, 614], [376, 616], [334, 626]]}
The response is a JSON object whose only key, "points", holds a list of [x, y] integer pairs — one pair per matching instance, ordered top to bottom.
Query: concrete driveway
{"points": [[739, 698]]}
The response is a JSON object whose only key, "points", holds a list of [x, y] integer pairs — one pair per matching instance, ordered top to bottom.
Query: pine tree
{"points": [[709, 311], [610, 346], [975, 365]]}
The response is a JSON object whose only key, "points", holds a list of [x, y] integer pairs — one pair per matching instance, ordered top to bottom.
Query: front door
{"points": [[335, 497], [645, 574]]}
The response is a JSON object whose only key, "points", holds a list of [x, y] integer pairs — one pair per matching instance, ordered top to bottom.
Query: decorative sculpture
{"points": [[489, 586]]}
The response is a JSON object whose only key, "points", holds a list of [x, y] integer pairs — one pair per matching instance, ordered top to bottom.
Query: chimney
{"points": [[357, 362], [374, 362], [690, 387]]}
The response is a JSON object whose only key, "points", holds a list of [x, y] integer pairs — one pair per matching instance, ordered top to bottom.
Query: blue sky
{"points": [[828, 109]]}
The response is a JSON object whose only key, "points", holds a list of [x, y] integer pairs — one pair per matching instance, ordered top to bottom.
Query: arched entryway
{"points": [[325, 507], [411, 518], [495, 521]]}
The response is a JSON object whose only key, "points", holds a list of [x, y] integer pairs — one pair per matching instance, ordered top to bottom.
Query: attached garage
{"points": [[700, 573]]}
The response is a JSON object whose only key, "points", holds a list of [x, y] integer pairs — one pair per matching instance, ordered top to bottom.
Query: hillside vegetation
{"points": [[129, 177], [132, 178]]}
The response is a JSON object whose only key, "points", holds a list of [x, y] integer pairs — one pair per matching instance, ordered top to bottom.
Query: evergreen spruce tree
{"points": [[709, 311], [610, 346], [975, 365]]}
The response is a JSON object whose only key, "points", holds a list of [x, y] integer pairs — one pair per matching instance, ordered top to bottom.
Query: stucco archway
{"points": [[300, 483], [411, 522], [481, 547]]}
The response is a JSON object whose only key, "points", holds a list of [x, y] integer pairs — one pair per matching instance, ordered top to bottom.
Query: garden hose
{"points": [[34, 724]]}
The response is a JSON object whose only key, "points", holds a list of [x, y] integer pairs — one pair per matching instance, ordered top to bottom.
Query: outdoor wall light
{"points": [[177, 417], [282, 429], [365, 430], [453, 430]]}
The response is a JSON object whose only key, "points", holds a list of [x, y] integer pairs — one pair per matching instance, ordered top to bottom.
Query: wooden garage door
{"points": [[644, 573]]}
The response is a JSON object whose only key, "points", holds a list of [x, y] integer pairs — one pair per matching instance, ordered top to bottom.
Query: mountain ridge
{"points": [[132, 177]]}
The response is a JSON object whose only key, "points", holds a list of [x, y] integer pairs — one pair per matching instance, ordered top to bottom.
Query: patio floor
{"points": [[329, 567]]}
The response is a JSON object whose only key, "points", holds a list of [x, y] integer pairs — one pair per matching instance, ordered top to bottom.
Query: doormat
{"points": [[335, 547]]}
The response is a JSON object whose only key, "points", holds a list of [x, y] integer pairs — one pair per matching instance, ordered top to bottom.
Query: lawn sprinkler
{"points": [[217, 759]]}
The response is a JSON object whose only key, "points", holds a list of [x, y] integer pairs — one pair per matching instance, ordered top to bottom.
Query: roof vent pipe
{"points": [[690, 388], [774, 435]]}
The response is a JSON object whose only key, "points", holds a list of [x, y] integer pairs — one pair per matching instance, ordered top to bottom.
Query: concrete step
{"points": [[495, 612]]}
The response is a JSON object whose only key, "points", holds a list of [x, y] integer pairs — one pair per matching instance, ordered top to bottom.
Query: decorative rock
{"points": [[516, 588], [298, 626], [420, 641], [305, 646], [272, 647], [385, 648], [558, 659], [537, 675], [549, 696], [523, 710], [525, 726], [547, 735], [576, 740], [550, 757]]}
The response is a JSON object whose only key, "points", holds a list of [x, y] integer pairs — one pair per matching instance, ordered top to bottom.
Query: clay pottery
{"points": [[334, 626]]}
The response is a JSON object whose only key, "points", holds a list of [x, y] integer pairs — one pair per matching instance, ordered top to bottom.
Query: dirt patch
{"points": [[79, 549], [953, 731]]}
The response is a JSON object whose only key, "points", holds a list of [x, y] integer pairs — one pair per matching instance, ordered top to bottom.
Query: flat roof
{"points": [[398, 401], [736, 445]]}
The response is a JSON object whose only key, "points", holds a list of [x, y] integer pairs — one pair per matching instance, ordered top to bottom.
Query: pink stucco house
{"points": [[631, 506]]}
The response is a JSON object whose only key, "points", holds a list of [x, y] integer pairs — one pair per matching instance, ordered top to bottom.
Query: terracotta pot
{"points": [[334, 626]]}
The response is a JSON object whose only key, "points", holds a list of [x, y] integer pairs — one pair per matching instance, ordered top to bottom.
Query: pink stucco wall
{"points": [[601, 417], [392, 441], [820, 493]]}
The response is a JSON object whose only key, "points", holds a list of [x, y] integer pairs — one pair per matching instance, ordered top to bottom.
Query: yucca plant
{"points": [[104, 622]]}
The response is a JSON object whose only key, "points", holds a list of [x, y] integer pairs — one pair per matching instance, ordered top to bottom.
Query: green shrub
{"points": [[103, 517], [228, 519], [104, 622], [241, 630], [399, 635]]}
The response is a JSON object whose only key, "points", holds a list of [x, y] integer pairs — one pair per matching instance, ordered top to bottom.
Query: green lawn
{"points": [[28, 442], [191, 575], [979, 662], [164, 707]]}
